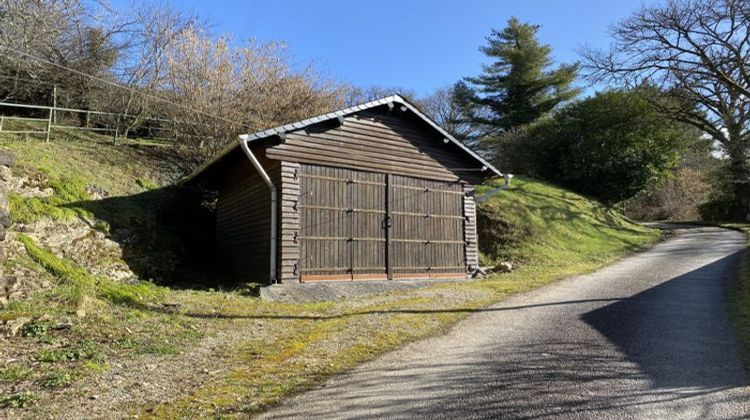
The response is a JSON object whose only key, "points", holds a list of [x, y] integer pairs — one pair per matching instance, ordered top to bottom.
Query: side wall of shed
{"points": [[244, 219], [470, 228]]}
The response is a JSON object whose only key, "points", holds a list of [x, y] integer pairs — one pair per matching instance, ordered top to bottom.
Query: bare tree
{"points": [[148, 32], [74, 33], [695, 54], [155, 62], [249, 88], [272, 93], [358, 95], [441, 107]]}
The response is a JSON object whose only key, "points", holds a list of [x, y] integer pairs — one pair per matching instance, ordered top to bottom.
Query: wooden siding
{"points": [[380, 142], [244, 219], [289, 222], [470, 228]]}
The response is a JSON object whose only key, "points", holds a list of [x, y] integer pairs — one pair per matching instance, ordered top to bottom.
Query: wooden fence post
{"points": [[54, 104], [2, 117], [49, 124], [117, 126]]}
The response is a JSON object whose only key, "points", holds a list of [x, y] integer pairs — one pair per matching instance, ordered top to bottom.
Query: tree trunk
{"points": [[739, 171]]}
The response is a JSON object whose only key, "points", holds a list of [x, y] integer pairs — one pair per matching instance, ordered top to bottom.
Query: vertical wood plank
{"points": [[388, 222]]}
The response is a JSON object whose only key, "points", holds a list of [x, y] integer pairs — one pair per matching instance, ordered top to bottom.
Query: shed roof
{"points": [[286, 128]]}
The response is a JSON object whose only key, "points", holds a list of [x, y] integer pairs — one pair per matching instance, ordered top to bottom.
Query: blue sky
{"points": [[416, 44]]}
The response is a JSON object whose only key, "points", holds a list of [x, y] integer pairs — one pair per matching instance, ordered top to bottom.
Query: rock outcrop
{"points": [[76, 239], [7, 283]]}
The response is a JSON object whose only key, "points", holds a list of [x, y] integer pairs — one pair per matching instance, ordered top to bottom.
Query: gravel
{"points": [[340, 290]]}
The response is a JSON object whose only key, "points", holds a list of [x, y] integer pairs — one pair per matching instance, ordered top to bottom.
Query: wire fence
{"points": [[118, 125]]}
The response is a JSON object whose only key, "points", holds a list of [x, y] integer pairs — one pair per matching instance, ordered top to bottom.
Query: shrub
{"points": [[610, 146], [678, 197]]}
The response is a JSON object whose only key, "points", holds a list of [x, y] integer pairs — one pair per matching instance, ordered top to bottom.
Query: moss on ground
{"points": [[78, 155], [59, 168], [116, 190], [79, 286], [102, 321]]}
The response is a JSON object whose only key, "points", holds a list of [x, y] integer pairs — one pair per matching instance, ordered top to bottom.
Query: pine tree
{"points": [[518, 87]]}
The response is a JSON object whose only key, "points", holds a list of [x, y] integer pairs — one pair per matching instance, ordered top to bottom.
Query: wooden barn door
{"points": [[342, 224], [357, 225], [426, 237]]}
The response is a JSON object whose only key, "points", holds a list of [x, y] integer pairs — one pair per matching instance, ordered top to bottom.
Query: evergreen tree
{"points": [[518, 87]]}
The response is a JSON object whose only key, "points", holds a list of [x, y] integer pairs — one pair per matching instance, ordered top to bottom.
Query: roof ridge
{"points": [[321, 117]]}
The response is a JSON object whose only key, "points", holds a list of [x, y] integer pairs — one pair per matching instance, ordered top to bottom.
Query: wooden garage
{"points": [[377, 191]]}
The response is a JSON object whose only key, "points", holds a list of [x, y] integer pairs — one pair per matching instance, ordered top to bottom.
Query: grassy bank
{"points": [[739, 298], [188, 352]]}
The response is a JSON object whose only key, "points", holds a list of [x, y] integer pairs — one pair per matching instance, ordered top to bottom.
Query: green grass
{"points": [[78, 155], [539, 224], [549, 233], [739, 298], [14, 373], [18, 400]]}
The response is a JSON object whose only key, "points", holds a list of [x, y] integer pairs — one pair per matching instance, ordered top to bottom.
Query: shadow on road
{"points": [[681, 322], [558, 379]]}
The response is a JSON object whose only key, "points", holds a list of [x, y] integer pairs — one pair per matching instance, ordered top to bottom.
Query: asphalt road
{"points": [[647, 337]]}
